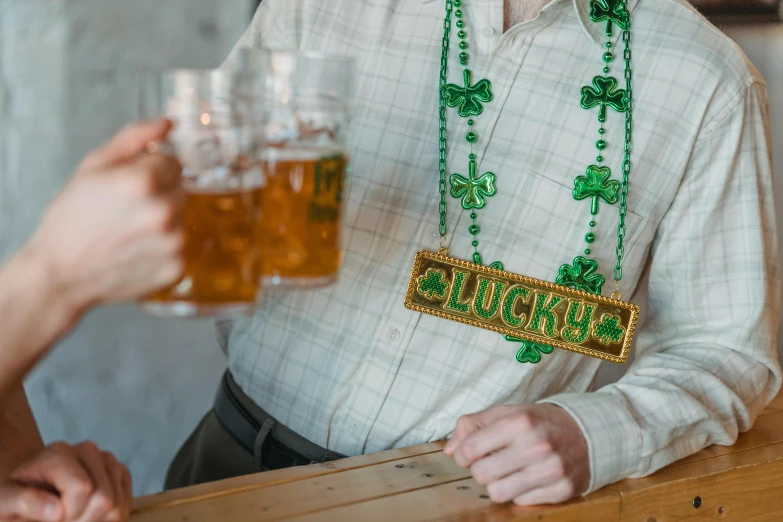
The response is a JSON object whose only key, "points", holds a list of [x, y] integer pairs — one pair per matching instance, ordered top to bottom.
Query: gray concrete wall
{"points": [[134, 384]]}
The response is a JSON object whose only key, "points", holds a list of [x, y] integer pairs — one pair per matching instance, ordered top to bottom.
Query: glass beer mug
{"points": [[216, 116], [305, 161]]}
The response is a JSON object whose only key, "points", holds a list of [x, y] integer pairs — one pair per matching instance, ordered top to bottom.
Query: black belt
{"points": [[272, 445]]}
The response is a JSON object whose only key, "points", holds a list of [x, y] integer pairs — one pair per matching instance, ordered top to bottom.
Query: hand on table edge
{"points": [[528, 454]]}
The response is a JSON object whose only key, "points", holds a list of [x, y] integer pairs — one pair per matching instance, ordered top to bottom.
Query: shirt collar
{"points": [[596, 31]]}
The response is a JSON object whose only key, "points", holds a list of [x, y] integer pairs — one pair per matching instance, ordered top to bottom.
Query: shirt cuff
{"points": [[612, 435]]}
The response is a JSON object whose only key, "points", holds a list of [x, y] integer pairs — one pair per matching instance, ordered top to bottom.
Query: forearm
{"points": [[35, 313], [19, 437]]}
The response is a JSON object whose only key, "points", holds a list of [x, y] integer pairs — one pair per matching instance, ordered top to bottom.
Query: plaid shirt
{"points": [[350, 368]]}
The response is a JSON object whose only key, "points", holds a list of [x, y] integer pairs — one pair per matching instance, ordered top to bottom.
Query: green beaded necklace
{"points": [[596, 185]]}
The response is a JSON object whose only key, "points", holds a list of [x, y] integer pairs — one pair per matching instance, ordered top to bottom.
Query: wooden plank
{"points": [[231, 486], [747, 492], [292, 498], [464, 501]]}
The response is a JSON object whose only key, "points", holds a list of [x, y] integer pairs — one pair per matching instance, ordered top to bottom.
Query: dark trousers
{"points": [[238, 438], [209, 454]]}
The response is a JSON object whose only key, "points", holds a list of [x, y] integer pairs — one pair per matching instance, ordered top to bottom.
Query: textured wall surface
{"points": [[134, 384]]}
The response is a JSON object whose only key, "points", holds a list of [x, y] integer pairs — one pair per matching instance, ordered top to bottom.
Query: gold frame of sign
{"points": [[521, 307]]}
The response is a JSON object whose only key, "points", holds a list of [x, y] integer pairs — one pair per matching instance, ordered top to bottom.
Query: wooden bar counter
{"points": [[743, 483]]}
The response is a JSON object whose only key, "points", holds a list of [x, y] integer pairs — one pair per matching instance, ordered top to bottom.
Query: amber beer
{"points": [[302, 204], [222, 255]]}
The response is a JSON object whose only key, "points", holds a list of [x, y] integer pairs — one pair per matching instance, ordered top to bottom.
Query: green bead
{"points": [[457, 3], [458, 13], [460, 23], [462, 34], [463, 45], [608, 45], [608, 57], [463, 58], [606, 70], [470, 122], [601, 130], [471, 137], [600, 144], [472, 156], [599, 159], [473, 215], [592, 223], [474, 230], [590, 237], [475, 243], [587, 251]]}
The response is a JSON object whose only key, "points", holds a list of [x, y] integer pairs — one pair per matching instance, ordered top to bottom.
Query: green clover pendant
{"points": [[603, 93], [469, 98], [596, 184], [473, 191]]}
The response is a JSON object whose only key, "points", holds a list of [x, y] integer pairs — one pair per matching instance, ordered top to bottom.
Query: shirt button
{"points": [[489, 32], [435, 235], [394, 335], [353, 429]]}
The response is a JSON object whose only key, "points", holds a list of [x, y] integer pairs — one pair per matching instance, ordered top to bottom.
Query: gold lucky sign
{"points": [[521, 307]]}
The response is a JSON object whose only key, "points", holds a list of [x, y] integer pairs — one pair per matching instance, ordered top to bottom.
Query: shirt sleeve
{"points": [[706, 358]]}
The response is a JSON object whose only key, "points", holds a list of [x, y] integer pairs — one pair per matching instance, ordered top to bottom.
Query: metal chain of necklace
{"points": [[595, 186]]}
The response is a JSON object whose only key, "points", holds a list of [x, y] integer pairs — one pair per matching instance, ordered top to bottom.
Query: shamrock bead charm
{"points": [[611, 11], [603, 93], [469, 98], [597, 185], [473, 191], [581, 276]]}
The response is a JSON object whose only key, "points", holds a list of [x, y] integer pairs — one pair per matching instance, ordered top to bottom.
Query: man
{"points": [[113, 234], [348, 370]]}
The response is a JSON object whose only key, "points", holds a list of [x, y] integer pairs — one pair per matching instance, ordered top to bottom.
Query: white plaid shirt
{"points": [[350, 368]]}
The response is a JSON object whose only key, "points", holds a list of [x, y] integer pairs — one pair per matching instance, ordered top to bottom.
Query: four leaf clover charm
{"points": [[611, 11], [603, 93], [470, 97], [596, 184], [473, 191], [581, 276], [433, 284], [608, 330]]}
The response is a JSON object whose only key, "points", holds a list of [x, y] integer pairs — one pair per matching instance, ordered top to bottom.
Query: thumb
{"points": [[129, 142], [468, 424], [28, 503]]}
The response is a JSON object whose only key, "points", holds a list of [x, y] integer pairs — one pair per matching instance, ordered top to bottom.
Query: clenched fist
{"points": [[114, 232], [532, 454], [67, 483]]}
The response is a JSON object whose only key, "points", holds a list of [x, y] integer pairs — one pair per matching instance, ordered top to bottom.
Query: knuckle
{"points": [[163, 216], [523, 421], [463, 422], [545, 446], [89, 447], [470, 450], [557, 467], [481, 475], [81, 487], [565, 490], [496, 493], [26, 501], [103, 501]]}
